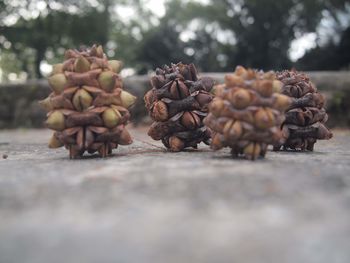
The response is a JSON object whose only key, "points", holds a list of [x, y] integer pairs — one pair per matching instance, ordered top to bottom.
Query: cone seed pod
{"points": [[99, 51], [81, 65], [115, 65], [57, 68], [107, 80], [58, 82], [239, 98], [127, 99], [82, 100], [178, 103], [88, 108], [160, 111], [247, 113], [306, 116], [111, 118], [190, 120], [56, 121], [55, 142], [176, 144]]}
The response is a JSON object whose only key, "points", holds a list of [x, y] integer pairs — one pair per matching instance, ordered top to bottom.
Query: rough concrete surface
{"points": [[144, 204]]}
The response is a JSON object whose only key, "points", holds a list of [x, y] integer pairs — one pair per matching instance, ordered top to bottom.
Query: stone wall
{"points": [[19, 107]]}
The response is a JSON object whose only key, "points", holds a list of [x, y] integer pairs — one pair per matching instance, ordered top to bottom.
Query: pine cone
{"points": [[178, 103], [88, 109], [247, 113], [306, 116]]}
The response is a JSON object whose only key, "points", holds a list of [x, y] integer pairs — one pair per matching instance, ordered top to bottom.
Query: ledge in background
{"points": [[19, 107]]}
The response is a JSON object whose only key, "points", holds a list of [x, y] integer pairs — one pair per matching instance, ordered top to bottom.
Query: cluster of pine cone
{"points": [[178, 103], [88, 109], [247, 113], [306, 116]]}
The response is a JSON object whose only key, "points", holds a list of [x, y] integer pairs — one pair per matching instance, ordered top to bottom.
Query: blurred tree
{"points": [[58, 25], [55, 30], [264, 30], [254, 33], [216, 35], [165, 42], [160, 45], [343, 50], [332, 54], [328, 57]]}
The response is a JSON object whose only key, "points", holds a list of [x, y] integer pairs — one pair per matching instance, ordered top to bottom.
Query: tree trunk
{"points": [[40, 55]]}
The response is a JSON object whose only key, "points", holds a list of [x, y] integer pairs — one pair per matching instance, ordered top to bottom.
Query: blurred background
{"points": [[310, 35]]}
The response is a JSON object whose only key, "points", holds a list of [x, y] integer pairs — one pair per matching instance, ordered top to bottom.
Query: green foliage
{"points": [[263, 29], [261, 32], [216, 35], [159, 46], [328, 57]]}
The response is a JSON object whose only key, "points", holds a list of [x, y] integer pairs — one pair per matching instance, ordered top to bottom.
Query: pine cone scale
{"points": [[178, 104], [88, 108], [247, 113], [306, 116]]}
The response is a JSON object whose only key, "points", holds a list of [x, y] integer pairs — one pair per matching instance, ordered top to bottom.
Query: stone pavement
{"points": [[147, 205]]}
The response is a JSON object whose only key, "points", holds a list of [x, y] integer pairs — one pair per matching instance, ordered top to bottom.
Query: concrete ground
{"points": [[144, 204]]}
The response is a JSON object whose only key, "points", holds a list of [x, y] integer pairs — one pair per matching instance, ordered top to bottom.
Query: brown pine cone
{"points": [[178, 103], [88, 109], [247, 113], [306, 116]]}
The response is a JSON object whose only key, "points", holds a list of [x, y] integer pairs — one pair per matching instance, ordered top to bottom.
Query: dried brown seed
{"points": [[99, 51], [70, 53], [81, 65], [115, 65], [57, 68], [241, 71], [107, 80], [232, 80], [158, 81], [58, 82], [277, 86], [264, 87], [183, 90], [218, 90], [174, 92], [204, 98], [239, 98], [127, 99], [149, 99], [82, 100], [281, 102], [46, 104], [216, 106], [159, 111], [111, 117], [264, 118], [190, 120], [56, 121], [232, 130], [125, 138], [55, 142], [217, 142], [176, 144], [252, 151]]}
